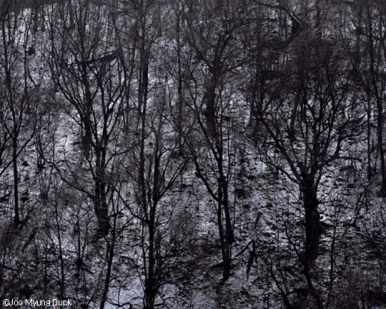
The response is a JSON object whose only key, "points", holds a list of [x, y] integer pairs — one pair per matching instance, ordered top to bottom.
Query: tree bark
{"points": [[382, 192], [100, 198], [16, 220], [312, 220]]}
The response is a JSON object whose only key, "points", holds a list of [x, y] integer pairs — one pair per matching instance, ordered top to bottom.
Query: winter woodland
{"points": [[193, 153]]}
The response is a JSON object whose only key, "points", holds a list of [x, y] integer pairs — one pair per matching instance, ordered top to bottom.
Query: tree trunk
{"points": [[210, 111], [86, 112], [369, 166], [382, 192], [100, 199], [223, 205], [16, 220], [312, 221], [313, 231], [225, 250], [109, 258], [150, 279]]}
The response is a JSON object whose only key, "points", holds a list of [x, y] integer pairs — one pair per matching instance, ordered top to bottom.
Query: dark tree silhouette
{"points": [[87, 69], [302, 114]]}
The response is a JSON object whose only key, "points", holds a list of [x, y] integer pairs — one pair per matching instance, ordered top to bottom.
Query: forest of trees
{"points": [[193, 153]]}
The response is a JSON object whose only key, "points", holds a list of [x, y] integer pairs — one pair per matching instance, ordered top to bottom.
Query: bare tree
{"points": [[214, 34], [368, 57], [87, 69], [19, 95], [305, 114], [150, 165]]}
